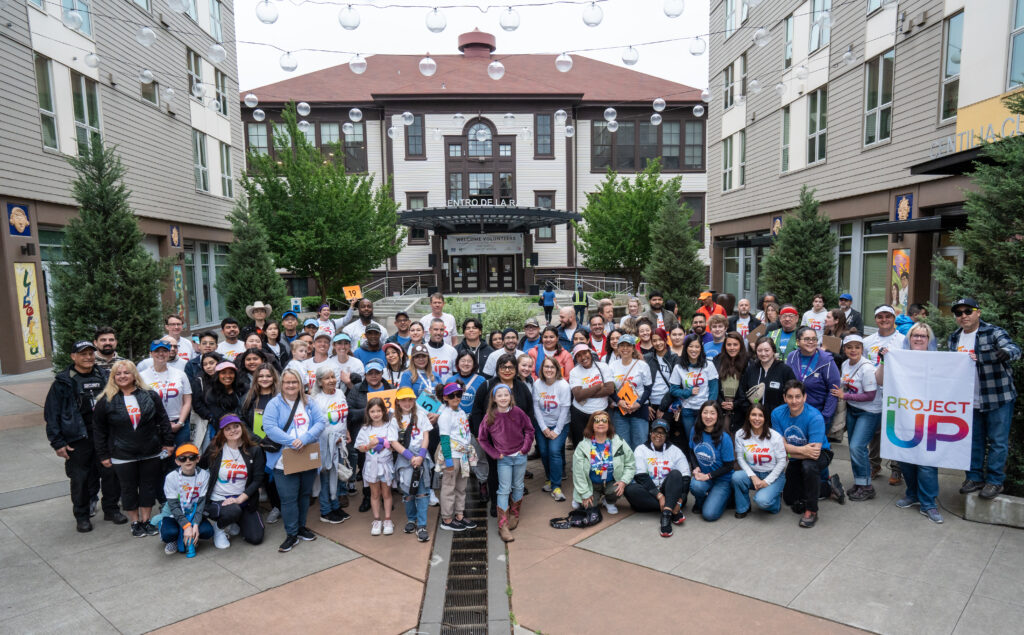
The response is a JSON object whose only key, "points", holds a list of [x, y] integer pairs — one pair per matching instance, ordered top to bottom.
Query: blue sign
{"points": [[904, 206], [17, 220]]}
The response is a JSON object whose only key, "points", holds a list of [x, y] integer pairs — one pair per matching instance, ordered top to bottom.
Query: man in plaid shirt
{"points": [[994, 395]]}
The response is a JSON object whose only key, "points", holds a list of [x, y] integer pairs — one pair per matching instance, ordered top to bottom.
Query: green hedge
{"points": [[601, 295], [501, 312]]}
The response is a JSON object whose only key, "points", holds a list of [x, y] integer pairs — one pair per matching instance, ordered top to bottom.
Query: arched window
{"points": [[479, 148]]}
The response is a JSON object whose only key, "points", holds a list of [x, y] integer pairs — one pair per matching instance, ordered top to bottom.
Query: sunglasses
{"points": [[963, 312], [455, 395], [601, 420], [187, 458]]}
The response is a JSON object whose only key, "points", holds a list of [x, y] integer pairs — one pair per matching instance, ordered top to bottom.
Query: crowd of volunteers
{"points": [[204, 439]]}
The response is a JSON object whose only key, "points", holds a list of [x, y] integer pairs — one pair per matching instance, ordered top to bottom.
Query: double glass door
{"points": [[465, 273], [501, 273]]}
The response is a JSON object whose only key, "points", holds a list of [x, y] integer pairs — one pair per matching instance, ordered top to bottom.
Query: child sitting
{"points": [[185, 489]]}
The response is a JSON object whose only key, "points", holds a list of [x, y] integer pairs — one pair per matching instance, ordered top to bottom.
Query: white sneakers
{"points": [[433, 499], [612, 509], [273, 516], [378, 527], [389, 527], [375, 528], [220, 538]]}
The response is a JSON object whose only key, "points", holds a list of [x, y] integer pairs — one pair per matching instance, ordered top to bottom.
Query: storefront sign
{"points": [[967, 139], [481, 202], [904, 206], [460, 244], [900, 281], [28, 310]]}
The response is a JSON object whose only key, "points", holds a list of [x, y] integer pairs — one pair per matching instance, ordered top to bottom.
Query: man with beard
{"points": [[659, 317], [743, 322], [699, 327], [357, 328], [785, 336], [105, 341]]}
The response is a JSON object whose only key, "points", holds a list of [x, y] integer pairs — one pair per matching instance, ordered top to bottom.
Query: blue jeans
{"points": [[688, 417], [862, 426], [633, 428], [991, 428], [552, 455], [511, 472], [922, 483], [294, 490], [711, 496], [767, 498], [416, 502], [327, 503], [170, 531]]}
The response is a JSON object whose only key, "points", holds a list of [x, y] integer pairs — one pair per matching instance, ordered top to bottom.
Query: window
{"points": [[38, 3], [144, 4], [874, 5], [84, 7], [192, 10], [730, 17], [821, 23], [215, 25], [954, 39], [1017, 47], [788, 55], [195, 74], [743, 75], [728, 79], [221, 82], [150, 92], [878, 106], [87, 111], [47, 112], [817, 124], [309, 134], [330, 134], [258, 138], [785, 139], [670, 141], [414, 142], [543, 143], [646, 143], [635, 144], [601, 145], [479, 148], [455, 149], [504, 149], [355, 150], [625, 151], [694, 151], [743, 158], [727, 164], [200, 167], [226, 182], [481, 185], [455, 187], [506, 190], [416, 200], [545, 200], [696, 204], [51, 245], [204, 263], [875, 266], [845, 275]]}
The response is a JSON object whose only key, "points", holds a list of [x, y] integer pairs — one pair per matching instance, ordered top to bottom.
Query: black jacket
{"points": [[856, 321], [753, 324], [482, 352], [282, 359], [652, 362], [774, 380], [200, 384], [522, 393], [357, 399], [218, 403], [61, 411], [116, 438], [255, 464]]}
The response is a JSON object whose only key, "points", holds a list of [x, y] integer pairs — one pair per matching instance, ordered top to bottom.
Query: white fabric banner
{"points": [[461, 244], [928, 408]]}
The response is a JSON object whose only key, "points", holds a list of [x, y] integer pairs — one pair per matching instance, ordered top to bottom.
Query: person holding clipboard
{"points": [[633, 384]]}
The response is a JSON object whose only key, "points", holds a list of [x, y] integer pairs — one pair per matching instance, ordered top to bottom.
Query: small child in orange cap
{"points": [[185, 489]]}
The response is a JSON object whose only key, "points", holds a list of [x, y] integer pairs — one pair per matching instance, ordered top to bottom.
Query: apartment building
{"points": [[156, 79], [880, 105]]}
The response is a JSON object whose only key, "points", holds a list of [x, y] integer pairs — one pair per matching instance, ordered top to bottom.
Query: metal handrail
{"points": [[606, 284]]}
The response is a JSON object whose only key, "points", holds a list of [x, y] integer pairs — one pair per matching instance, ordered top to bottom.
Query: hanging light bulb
{"points": [[673, 8], [265, 12], [593, 14], [349, 18], [72, 19], [509, 20], [824, 20], [436, 22], [145, 36], [762, 37], [698, 46], [216, 53], [630, 56], [849, 58], [92, 60], [288, 62], [563, 63], [357, 64], [428, 66], [496, 70], [801, 72], [145, 76], [754, 86], [780, 89], [197, 91], [167, 93], [705, 95], [741, 99], [251, 100], [658, 104], [213, 105], [303, 109], [698, 111], [609, 114], [259, 115], [355, 115], [561, 116], [509, 117], [408, 118], [459, 118], [655, 119], [303, 125], [613, 125], [347, 128], [392, 132], [570, 132], [527, 134], [436, 135], [483, 135]]}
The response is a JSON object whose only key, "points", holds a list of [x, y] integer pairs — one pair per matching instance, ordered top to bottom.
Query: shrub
{"points": [[601, 295], [501, 313]]}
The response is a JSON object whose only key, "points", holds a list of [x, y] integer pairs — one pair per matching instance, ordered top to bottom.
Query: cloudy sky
{"points": [[401, 29]]}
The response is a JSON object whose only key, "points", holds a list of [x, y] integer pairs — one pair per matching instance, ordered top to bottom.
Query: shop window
{"points": [[951, 51], [416, 200]]}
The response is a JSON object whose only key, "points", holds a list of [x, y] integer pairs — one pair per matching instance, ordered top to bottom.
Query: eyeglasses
{"points": [[963, 312], [919, 336], [808, 339], [507, 367], [455, 395], [601, 420], [187, 458]]}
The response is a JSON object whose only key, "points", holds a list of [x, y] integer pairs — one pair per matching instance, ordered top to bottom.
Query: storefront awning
{"points": [[955, 163], [476, 219], [943, 222], [756, 241]]}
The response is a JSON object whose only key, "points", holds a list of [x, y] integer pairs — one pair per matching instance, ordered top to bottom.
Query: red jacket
{"points": [[716, 309], [563, 358]]}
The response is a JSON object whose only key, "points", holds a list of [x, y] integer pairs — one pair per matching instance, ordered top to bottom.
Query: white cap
{"points": [[853, 339]]}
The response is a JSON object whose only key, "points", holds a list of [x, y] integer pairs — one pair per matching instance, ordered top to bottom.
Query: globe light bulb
{"points": [[673, 8], [266, 12], [592, 14], [349, 18], [72, 19], [509, 20], [824, 20], [436, 22], [145, 36], [762, 37], [698, 46], [216, 53], [630, 56], [850, 59], [92, 60], [288, 62], [563, 63], [357, 64], [428, 66], [496, 70], [801, 72], [146, 76], [754, 86], [780, 89], [167, 93], [705, 95], [741, 99], [251, 100], [213, 105], [658, 105], [303, 109], [698, 111], [609, 114], [259, 115], [355, 115], [561, 116], [509, 117], [408, 118], [655, 119], [303, 125], [613, 125], [347, 128], [392, 132], [570, 132], [436, 134], [527, 134], [483, 135]]}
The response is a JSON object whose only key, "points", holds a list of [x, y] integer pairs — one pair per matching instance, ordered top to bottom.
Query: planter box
{"points": [[1001, 510]]}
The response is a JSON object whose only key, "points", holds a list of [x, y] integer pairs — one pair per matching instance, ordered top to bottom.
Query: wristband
{"points": [[423, 453], [407, 454], [449, 463], [186, 525]]}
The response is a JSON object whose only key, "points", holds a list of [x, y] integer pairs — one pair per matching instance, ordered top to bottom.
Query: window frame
{"points": [[142, 4], [874, 5], [85, 8], [192, 10], [730, 18], [216, 21], [1016, 31], [819, 38], [787, 50], [194, 66], [743, 75], [951, 80], [83, 84], [220, 85], [729, 86], [155, 87], [821, 95], [880, 107], [44, 113], [250, 126], [417, 129], [787, 129], [548, 132], [682, 145], [356, 161], [200, 162], [727, 164], [742, 164], [227, 182], [537, 236], [412, 238]]}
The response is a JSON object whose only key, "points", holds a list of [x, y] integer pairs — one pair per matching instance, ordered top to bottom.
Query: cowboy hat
{"points": [[258, 304]]}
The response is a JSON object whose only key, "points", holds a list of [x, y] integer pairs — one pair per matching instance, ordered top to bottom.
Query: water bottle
{"points": [[190, 549]]}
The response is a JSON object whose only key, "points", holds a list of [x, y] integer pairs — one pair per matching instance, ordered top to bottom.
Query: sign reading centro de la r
{"points": [[496, 244], [927, 414]]}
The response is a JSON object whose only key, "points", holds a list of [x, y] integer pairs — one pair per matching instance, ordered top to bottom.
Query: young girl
{"points": [[815, 317], [275, 343], [299, 354], [551, 401], [506, 435], [374, 439], [333, 445], [713, 450], [456, 454], [761, 455], [412, 462], [185, 489]]}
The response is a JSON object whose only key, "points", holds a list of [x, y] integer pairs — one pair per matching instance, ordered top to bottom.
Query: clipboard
{"points": [[753, 336], [832, 344], [626, 394], [428, 402], [301, 460]]}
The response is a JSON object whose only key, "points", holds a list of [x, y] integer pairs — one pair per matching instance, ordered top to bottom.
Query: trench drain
{"points": [[465, 598]]}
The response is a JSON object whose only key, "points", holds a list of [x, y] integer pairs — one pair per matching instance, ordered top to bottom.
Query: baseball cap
{"points": [[705, 295], [846, 296], [971, 302], [885, 308], [291, 313], [310, 322], [532, 322], [372, 326], [340, 337], [853, 338], [627, 339], [155, 344], [85, 345], [579, 348], [419, 349], [374, 364], [224, 366], [452, 387], [405, 393], [227, 420], [659, 423], [187, 448]]}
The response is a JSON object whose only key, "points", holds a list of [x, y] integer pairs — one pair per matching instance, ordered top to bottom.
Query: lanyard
{"points": [[804, 368]]}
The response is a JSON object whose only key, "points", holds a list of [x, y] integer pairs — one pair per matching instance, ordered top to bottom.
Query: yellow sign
{"points": [[353, 292], [28, 310], [387, 395]]}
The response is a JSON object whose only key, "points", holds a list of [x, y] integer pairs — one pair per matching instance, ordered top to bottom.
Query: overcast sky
{"points": [[543, 29]]}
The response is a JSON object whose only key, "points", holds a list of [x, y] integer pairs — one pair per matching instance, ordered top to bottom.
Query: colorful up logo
{"points": [[934, 421]]}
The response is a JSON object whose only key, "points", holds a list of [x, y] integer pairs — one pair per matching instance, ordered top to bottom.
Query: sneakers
{"points": [[895, 477], [547, 486], [969, 486], [990, 491], [838, 492], [862, 493], [557, 494], [433, 499], [907, 502], [576, 505], [92, 506], [612, 509], [741, 514], [341, 515], [933, 515], [273, 516], [115, 517], [331, 517], [678, 518], [808, 519], [466, 523], [666, 523], [84, 525], [452, 525], [389, 527], [149, 528], [376, 528], [409, 528], [233, 529], [138, 530], [305, 534], [422, 535], [220, 538], [289, 542], [170, 548]]}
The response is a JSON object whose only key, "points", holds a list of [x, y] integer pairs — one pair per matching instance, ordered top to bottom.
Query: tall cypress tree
{"points": [[802, 260], [675, 268], [250, 274], [108, 277]]}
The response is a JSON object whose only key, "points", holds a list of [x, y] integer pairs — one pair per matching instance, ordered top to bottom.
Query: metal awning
{"points": [[956, 163], [481, 219], [943, 222], [756, 241]]}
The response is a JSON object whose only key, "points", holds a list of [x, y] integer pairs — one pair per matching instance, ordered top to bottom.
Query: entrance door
{"points": [[465, 273], [501, 273]]}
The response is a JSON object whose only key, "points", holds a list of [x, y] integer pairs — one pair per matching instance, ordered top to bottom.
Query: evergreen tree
{"points": [[802, 260], [675, 269], [993, 271], [250, 274], [108, 277]]}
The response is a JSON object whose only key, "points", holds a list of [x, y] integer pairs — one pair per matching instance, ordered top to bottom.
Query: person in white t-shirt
{"points": [[632, 311], [437, 313], [815, 317], [173, 325], [357, 328], [876, 345], [231, 347], [442, 353], [320, 357], [173, 361], [629, 366], [348, 369], [694, 380], [591, 382], [173, 387], [859, 389], [551, 401], [761, 454], [662, 479]]}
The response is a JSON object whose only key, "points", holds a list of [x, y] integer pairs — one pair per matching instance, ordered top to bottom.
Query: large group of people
{"points": [[731, 407]]}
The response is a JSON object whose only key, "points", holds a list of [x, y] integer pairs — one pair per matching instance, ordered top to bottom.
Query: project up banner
{"points": [[928, 408]]}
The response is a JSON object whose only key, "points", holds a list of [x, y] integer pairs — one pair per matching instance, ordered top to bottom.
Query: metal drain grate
{"points": [[465, 598]]}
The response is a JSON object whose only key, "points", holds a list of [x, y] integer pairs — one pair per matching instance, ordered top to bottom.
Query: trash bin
{"points": [[534, 289]]}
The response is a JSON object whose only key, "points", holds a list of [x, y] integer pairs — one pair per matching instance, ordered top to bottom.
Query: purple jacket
{"points": [[819, 377], [511, 432]]}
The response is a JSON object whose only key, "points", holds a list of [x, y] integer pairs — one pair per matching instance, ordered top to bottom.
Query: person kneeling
{"points": [[712, 449], [761, 455], [602, 464], [662, 479], [184, 488], [233, 498]]}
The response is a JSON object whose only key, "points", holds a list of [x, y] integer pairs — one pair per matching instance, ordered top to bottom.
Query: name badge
{"points": [[774, 385]]}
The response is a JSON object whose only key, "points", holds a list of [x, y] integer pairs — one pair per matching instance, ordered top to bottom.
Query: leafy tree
{"points": [[321, 222], [615, 235], [802, 261], [674, 268], [993, 271], [250, 274], [109, 278]]}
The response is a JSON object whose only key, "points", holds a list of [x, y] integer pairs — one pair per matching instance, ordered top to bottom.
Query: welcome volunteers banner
{"points": [[928, 408]]}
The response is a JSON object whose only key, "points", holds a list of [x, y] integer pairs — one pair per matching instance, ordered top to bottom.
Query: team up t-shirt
{"points": [[816, 321], [743, 326], [231, 351], [635, 371], [597, 374], [698, 379], [858, 379], [171, 385], [131, 404], [551, 404], [335, 407], [418, 436], [757, 455], [231, 475], [186, 489]]}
